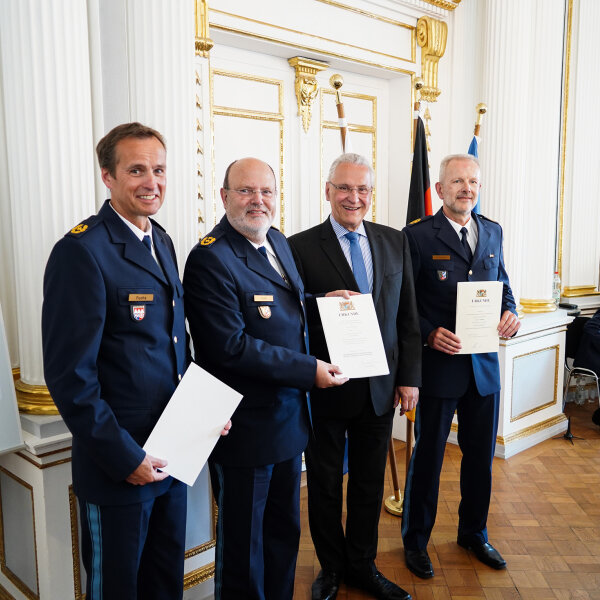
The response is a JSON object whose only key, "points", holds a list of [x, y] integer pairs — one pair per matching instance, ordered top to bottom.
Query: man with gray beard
{"points": [[245, 306]]}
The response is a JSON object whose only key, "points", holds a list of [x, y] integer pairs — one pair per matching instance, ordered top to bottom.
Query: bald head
{"points": [[248, 194]]}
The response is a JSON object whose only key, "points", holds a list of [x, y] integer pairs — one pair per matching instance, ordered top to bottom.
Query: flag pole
{"points": [[337, 81], [419, 83], [481, 109], [410, 415], [394, 504]]}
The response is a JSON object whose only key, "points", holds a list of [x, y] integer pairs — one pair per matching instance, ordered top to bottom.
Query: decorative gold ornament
{"points": [[447, 4], [431, 37], [203, 41], [306, 85], [481, 109], [427, 117], [536, 305], [34, 399]]}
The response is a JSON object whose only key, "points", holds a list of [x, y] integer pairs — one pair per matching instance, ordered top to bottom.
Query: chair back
{"points": [[574, 333]]}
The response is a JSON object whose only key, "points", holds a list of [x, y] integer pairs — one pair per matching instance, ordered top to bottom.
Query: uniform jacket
{"points": [[439, 263], [323, 267], [249, 329], [115, 346]]}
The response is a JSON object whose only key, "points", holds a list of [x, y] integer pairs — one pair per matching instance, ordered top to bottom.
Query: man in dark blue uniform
{"points": [[451, 246], [245, 307], [115, 347]]}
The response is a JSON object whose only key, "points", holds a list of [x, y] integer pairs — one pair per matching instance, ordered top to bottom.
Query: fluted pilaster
{"points": [[521, 85], [46, 89], [162, 94]]}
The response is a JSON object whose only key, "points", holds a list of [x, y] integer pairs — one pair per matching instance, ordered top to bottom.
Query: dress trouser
{"points": [[477, 429], [368, 440], [258, 531], [135, 551]]}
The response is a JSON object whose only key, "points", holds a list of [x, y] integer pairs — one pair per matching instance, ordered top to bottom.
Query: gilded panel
{"points": [[17, 524]]}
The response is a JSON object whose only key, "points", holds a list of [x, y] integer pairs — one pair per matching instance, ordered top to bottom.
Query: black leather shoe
{"points": [[484, 552], [419, 563], [326, 585], [377, 585]]}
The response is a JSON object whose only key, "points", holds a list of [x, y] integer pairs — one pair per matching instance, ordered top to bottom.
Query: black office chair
{"points": [[573, 339]]}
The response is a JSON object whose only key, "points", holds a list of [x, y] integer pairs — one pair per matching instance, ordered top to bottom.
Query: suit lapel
{"points": [[447, 235], [483, 237], [332, 249], [133, 250], [165, 257], [378, 257], [254, 261]]}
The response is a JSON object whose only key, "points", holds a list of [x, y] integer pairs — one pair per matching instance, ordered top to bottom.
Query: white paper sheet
{"points": [[478, 306], [353, 336], [191, 424]]}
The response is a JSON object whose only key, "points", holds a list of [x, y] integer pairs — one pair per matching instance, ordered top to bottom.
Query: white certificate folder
{"points": [[478, 306], [353, 336], [191, 424]]}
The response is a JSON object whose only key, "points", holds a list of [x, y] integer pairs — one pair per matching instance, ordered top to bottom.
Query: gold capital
{"points": [[431, 37], [203, 41], [306, 85]]}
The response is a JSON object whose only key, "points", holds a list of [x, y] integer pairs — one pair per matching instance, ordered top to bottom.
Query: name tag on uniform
{"points": [[441, 257], [141, 298], [263, 298]]}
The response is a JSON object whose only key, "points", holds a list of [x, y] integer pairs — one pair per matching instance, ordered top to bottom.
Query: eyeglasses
{"points": [[361, 190], [249, 192]]}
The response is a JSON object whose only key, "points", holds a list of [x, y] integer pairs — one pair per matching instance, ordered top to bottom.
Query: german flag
{"points": [[419, 196]]}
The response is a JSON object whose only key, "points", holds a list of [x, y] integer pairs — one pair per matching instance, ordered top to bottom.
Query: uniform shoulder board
{"points": [[488, 219], [420, 220], [84, 226], [211, 238]]}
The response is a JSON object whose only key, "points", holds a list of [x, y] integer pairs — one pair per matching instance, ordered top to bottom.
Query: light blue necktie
{"points": [[358, 263]]}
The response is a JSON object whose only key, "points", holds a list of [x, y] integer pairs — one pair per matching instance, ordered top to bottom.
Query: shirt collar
{"points": [[134, 228], [340, 231]]}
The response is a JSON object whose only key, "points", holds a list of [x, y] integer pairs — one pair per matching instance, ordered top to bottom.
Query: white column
{"points": [[522, 69], [46, 89], [158, 89], [8, 298]]}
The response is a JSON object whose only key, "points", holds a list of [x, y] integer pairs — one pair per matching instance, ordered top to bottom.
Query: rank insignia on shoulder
{"points": [[415, 221], [79, 228], [207, 241], [442, 275], [138, 312], [264, 312]]}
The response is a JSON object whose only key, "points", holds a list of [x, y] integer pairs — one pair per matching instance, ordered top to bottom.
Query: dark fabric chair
{"points": [[573, 341]]}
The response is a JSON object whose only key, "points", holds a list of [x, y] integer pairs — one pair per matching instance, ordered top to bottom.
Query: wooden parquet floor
{"points": [[544, 519]]}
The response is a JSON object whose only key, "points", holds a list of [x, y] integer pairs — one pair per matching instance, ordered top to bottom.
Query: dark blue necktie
{"points": [[147, 242], [465, 244], [263, 252], [358, 263]]}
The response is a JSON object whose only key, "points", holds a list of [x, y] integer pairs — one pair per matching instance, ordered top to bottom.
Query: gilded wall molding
{"points": [[445, 4], [431, 37], [203, 41], [297, 46], [306, 85], [563, 140], [34, 399], [554, 400], [13, 577]]}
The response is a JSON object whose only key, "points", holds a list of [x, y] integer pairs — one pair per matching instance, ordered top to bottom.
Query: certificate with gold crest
{"points": [[478, 306], [353, 336]]}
